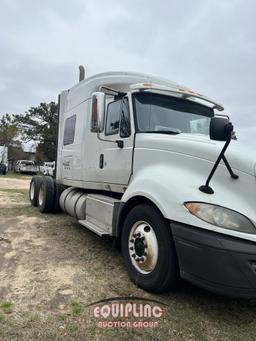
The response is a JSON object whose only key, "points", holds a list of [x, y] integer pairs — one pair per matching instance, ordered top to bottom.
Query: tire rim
{"points": [[32, 191], [41, 196], [143, 247]]}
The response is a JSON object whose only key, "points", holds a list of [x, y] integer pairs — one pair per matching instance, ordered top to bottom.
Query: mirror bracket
{"points": [[206, 188]]}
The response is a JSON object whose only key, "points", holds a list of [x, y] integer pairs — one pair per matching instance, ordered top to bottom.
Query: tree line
{"points": [[37, 126]]}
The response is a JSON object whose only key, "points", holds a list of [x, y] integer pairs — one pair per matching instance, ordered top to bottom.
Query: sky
{"points": [[207, 45]]}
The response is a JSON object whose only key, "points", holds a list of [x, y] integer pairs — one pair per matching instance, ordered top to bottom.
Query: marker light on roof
{"points": [[147, 85], [186, 93]]}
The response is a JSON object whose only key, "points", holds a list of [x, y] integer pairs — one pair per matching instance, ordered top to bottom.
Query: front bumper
{"points": [[28, 171], [216, 262]]}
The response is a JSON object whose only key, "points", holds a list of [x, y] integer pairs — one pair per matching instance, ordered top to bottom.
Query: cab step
{"points": [[101, 214], [94, 228]]}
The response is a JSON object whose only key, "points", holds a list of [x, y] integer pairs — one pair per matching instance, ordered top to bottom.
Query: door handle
{"points": [[120, 143], [101, 164]]}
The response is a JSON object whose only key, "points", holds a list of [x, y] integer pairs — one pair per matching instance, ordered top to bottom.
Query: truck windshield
{"points": [[165, 114], [27, 163]]}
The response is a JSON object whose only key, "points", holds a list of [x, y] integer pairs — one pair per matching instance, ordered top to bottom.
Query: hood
{"points": [[240, 157]]}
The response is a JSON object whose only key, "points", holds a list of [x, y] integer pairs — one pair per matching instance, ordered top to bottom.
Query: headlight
{"points": [[221, 216]]}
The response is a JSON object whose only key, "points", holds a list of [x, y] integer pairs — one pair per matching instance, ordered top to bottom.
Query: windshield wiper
{"points": [[171, 131]]}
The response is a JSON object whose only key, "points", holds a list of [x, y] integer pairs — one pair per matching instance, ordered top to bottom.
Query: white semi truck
{"points": [[148, 162]]}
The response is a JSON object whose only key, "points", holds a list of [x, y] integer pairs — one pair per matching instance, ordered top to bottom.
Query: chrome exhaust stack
{"points": [[81, 73]]}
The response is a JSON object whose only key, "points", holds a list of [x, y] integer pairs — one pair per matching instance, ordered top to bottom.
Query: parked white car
{"points": [[26, 166]]}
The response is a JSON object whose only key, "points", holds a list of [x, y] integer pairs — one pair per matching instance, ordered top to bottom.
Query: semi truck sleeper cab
{"points": [[152, 164]]}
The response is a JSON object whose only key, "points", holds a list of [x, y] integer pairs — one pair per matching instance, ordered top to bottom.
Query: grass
{"points": [[12, 174], [14, 191], [16, 195], [29, 211], [6, 307], [75, 308], [192, 314], [33, 317], [62, 317], [73, 328]]}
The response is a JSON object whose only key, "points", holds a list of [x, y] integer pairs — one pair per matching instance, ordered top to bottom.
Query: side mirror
{"points": [[97, 112], [220, 129]]}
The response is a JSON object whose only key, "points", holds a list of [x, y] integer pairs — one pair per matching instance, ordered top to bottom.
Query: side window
{"points": [[118, 116], [113, 117], [125, 126], [69, 130]]}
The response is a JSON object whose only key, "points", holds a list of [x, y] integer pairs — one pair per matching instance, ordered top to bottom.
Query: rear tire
{"points": [[59, 188], [34, 189], [46, 195], [148, 250]]}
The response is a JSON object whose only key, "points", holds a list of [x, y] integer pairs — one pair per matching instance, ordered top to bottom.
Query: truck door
{"points": [[116, 144]]}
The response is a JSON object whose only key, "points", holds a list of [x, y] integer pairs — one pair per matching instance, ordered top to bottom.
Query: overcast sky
{"points": [[209, 46]]}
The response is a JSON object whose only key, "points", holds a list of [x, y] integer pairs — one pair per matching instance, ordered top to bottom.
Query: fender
{"points": [[170, 183]]}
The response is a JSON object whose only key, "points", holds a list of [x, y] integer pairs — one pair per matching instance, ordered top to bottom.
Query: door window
{"points": [[113, 117], [118, 118]]}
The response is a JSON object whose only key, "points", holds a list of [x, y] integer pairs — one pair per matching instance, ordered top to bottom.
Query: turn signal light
{"points": [[192, 207]]}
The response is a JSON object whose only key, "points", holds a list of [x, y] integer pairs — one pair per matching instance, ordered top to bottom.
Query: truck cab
{"points": [[152, 164]]}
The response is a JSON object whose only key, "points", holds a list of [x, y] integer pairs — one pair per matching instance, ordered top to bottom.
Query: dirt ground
{"points": [[51, 269]]}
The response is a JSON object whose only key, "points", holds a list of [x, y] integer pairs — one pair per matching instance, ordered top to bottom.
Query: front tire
{"points": [[148, 250]]}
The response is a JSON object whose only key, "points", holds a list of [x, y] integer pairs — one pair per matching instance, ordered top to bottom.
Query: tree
{"points": [[39, 124], [9, 131], [9, 137]]}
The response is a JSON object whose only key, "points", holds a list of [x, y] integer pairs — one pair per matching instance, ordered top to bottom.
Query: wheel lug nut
{"points": [[132, 241], [131, 248], [133, 255], [137, 259], [142, 259]]}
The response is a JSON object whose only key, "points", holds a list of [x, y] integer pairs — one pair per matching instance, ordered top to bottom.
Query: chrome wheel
{"points": [[32, 190], [41, 195], [143, 247]]}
